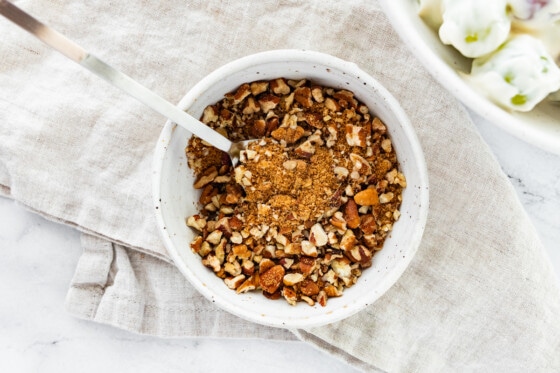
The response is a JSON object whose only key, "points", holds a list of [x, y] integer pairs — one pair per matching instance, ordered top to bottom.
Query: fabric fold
{"points": [[131, 290]]}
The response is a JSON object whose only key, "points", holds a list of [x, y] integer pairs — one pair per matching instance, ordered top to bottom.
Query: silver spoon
{"points": [[77, 54]]}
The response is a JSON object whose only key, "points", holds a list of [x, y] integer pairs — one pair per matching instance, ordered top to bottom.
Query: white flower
{"points": [[535, 13], [540, 18], [475, 27], [519, 75]]}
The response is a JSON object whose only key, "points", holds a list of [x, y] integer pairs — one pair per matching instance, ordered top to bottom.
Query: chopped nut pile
{"points": [[312, 199]]}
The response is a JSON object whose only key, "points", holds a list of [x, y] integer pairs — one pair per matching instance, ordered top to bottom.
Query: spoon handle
{"points": [[76, 53]]}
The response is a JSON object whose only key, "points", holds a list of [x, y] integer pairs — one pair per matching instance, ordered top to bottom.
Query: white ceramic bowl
{"points": [[540, 127], [175, 197]]}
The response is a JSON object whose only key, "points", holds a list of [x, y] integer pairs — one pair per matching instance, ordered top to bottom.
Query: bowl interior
{"points": [[540, 127], [176, 198]]}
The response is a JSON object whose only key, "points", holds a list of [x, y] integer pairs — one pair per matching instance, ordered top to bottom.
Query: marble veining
{"points": [[39, 258]]}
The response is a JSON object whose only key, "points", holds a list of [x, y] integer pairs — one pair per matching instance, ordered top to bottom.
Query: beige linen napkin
{"points": [[479, 295]]}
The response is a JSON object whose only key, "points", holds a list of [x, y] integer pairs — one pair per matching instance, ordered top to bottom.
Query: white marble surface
{"points": [[39, 257]]}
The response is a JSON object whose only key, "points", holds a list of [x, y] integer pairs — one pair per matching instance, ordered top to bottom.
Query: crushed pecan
{"points": [[312, 200]]}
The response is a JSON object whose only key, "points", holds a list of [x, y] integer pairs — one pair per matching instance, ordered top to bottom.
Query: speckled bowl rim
{"points": [[253, 307]]}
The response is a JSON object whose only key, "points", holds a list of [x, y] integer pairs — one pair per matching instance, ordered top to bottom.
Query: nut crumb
{"points": [[311, 200]]}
